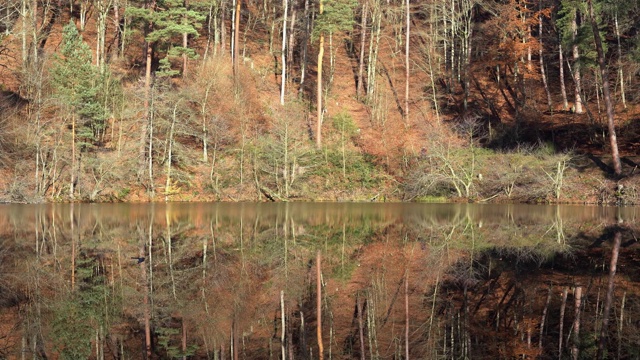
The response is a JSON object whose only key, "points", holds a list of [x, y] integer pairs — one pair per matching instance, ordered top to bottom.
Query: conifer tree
{"points": [[77, 86]]}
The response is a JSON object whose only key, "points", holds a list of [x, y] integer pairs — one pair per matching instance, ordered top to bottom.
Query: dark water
{"points": [[397, 281]]}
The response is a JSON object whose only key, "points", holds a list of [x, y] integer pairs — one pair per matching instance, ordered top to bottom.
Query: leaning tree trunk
{"points": [[604, 73]]}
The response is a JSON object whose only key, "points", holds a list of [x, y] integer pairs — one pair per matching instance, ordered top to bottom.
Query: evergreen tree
{"points": [[171, 20], [78, 85]]}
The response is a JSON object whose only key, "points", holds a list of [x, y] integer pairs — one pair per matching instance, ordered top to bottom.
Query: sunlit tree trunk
{"points": [[103, 11], [116, 25], [223, 28], [236, 37], [363, 38], [374, 45], [305, 46], [406, 58], [543, 72], [620, 72], [604, 73], [283, 77], [577, 78], [563, 88], [147, 92], [319, 110], [205, 131], [168, 187]]}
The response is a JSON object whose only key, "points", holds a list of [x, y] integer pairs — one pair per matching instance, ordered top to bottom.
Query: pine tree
{"points": [[171, 20], [77, 85]]}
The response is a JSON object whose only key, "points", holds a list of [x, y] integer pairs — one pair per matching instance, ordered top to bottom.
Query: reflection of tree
{"points": [[215, 275], [511, 294]]}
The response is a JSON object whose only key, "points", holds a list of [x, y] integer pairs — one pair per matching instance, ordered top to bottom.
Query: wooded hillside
{"points": [[126, 100]]}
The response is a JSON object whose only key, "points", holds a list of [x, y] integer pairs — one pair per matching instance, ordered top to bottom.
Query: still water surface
{"points": [[240, 281]]}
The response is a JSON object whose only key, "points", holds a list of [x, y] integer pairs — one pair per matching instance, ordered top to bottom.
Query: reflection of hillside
{"points": [[213, 274], [518, 306]]}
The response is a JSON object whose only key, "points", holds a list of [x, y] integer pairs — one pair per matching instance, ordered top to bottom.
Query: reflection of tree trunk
{"points": [[73, 248], [565, 293], [609, 298], [145, 302], [319, 305], [406, 315], [544, 317], [283, 325], [360, 325], [234, 334], [184, 341], [575, 350]]}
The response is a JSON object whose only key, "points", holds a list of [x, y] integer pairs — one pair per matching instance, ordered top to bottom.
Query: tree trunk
{"points": [[116, 25], [223, 28], [236, 37], [363, 37], [185, 43], [374, 44], [305, 46], [406, 59], [576, 68], [620, 72], [543, 73], [604, 73], [283, 76], [563, 88], [147, 91], [319, 112], [72, 185], [167, 187]]}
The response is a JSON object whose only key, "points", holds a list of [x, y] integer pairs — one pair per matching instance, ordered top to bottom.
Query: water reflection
{"points": [[216, 281]]}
